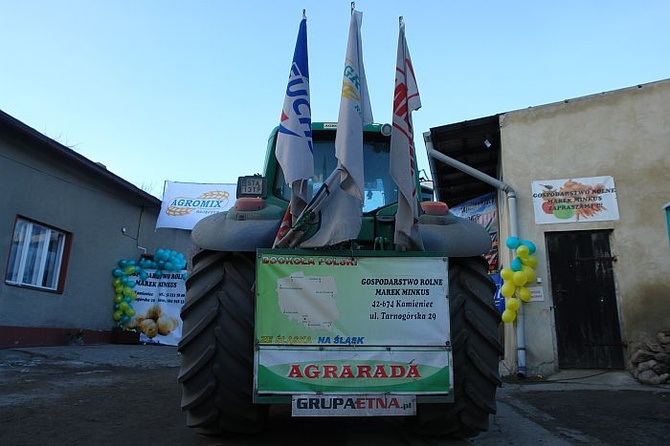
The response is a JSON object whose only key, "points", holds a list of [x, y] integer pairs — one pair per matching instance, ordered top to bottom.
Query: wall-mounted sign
{"points": [[575, 200]]}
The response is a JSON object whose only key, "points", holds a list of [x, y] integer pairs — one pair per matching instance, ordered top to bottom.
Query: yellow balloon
{"points": [[522, 251], [530, 261], [529, 272], [506, 274], [520, 278], [508, 289], [524, 294], [512, 303], [508, 316]]}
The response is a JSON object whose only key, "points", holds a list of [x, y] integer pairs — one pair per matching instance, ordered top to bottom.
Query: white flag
{"points": [[355, 112], [294, 139], [403, 156]]}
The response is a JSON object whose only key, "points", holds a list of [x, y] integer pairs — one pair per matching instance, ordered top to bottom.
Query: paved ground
{"points": [[115, 394]]}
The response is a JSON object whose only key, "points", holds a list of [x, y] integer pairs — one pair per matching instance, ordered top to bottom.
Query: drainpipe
{"points": [[513, 226]]}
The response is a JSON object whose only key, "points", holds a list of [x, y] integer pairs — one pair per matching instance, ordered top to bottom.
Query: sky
{"points": [[189, 91]]}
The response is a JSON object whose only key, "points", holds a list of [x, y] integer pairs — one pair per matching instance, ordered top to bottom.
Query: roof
{"points": [[21, 130], [475, 143]]}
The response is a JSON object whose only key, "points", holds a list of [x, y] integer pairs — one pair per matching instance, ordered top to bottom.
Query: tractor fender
{"points": [[237, 230], [458, 237]]}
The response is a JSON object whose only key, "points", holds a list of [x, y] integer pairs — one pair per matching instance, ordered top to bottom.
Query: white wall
{"points": [[624, 134]]}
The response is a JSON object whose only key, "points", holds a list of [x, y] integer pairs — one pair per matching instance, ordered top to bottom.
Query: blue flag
{"points": [[294, 140]]}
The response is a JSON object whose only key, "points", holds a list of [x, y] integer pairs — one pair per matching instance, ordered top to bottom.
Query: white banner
{"points": [[575, 200], [185, 204], [157, 306]]}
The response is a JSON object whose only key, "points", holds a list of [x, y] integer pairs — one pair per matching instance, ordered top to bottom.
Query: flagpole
{"points": [[353, 7]]}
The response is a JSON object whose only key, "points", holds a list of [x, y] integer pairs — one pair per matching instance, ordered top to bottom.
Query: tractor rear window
{"points": [[380, 189]]}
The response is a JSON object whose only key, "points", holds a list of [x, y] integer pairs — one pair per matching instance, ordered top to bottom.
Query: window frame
{"points": [[43, 257]]}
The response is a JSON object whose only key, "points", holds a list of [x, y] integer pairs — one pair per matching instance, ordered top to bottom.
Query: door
{"points": [[585, 309]]}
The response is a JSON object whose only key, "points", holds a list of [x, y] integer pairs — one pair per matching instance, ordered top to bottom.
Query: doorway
{"points": [[585, 309]]}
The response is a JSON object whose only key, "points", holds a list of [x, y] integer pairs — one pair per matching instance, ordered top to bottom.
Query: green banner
{"points": [[345, 323]]}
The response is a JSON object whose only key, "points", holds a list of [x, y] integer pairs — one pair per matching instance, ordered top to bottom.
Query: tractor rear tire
{"points": [[217, 347], [476, 350]]}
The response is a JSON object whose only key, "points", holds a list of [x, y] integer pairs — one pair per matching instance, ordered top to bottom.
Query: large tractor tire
{"points": [[475, 339], [217, 347]]}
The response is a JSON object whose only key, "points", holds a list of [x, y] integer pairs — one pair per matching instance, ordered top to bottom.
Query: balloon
{"points": [[512, 242], [530, 245], [522, 251], [531, 261], [123, 263], [516, 264], [130, 270], [529, 272], [117, 273], [506, 274], [519, 279], [116, 282], [508, 289], [524, 294], [118, 298], [512, 303], [123, 306], [129, 311], [117, 315], [509, 316]]}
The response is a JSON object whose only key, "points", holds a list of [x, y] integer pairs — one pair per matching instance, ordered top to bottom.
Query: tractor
{"points": [[360, 328]]}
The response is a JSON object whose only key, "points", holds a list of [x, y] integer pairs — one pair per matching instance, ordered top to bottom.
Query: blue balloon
{"points": [[512, 242], [530, 245], [516, 265], [117, 273]]}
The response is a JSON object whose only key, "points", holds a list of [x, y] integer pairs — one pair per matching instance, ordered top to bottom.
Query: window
{"points": [[379, 189], [36, 256]]}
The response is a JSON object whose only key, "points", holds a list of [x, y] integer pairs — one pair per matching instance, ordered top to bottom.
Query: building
{"points": [[587, 180], [66, 222]]}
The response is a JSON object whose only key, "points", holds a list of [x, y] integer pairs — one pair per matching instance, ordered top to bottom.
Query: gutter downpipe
{"points": [[513, 226]]}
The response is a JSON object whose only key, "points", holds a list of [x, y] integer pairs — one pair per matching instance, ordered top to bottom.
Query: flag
{"points": [[355, 112], [294, 139], [403, 156], [340, 215], [284, 227]]}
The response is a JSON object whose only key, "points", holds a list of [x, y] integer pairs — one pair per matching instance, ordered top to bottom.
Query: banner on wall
{"points": [[575, 200], [185, 204], [483, 210], [157, 306]]}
